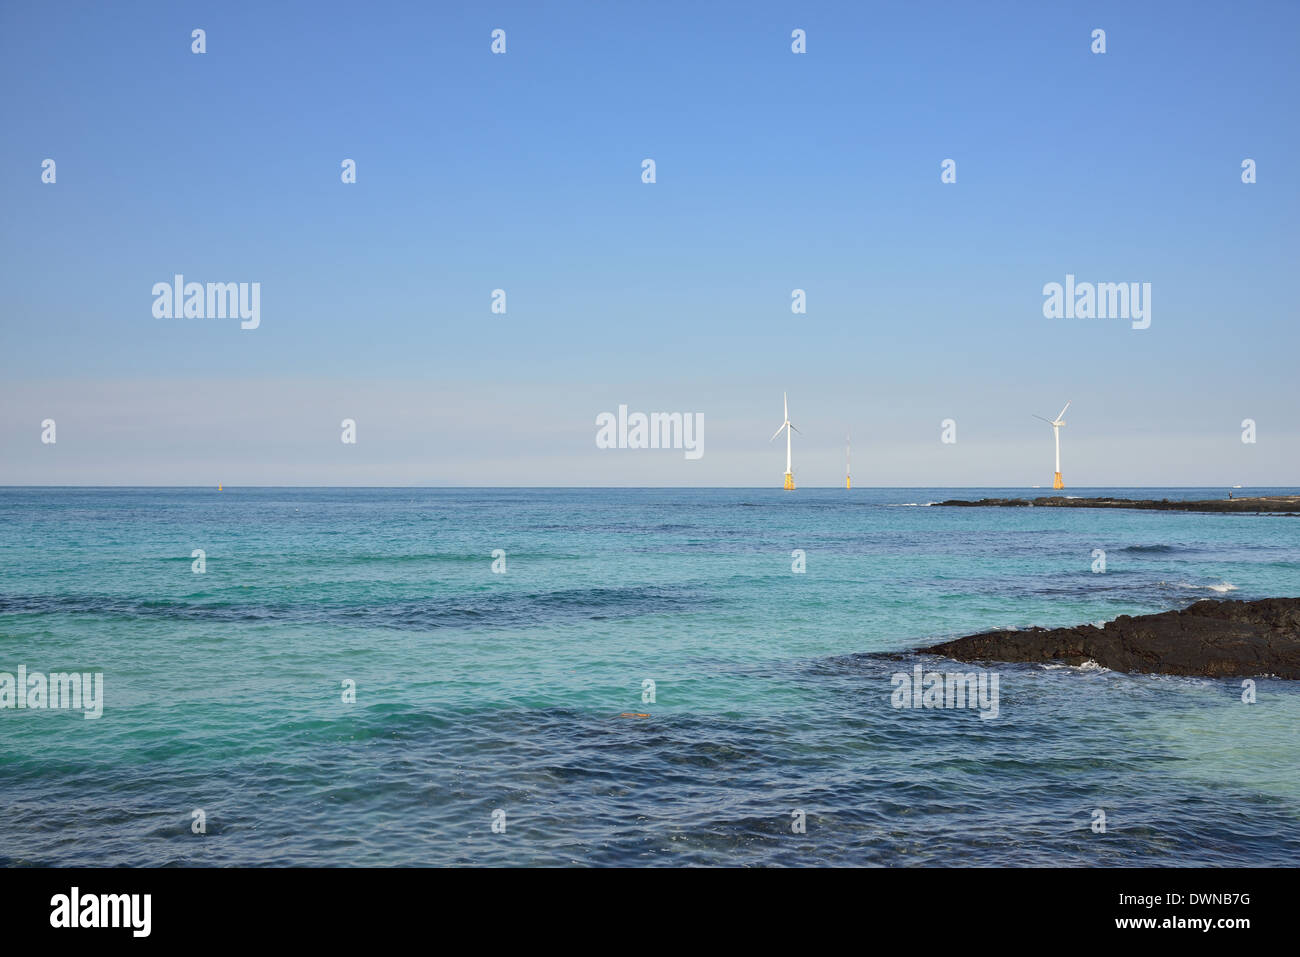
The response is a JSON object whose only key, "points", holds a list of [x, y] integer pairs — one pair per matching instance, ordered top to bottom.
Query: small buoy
{"points": [[633, 714]]}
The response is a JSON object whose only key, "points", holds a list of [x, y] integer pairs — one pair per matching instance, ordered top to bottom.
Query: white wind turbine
{"points": [[1056, 425], [787, 427]]}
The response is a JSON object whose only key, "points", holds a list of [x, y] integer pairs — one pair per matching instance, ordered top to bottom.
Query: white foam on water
{"points": [[1221, 587], [1088, 665]]}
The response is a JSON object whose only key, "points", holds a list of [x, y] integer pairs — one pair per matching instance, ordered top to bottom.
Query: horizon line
{"points": [[739, 488]]}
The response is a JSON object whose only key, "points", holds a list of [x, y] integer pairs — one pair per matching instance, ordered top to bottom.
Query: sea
{"points": [[623, 677]]}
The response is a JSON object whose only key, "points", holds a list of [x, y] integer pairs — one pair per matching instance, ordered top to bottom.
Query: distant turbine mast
{"points": [[1056, 425], [787, 428], [848, 460]]}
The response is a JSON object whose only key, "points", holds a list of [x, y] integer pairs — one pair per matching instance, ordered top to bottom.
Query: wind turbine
{"points": [[1056, 425], [787, 427], [848, 460]]}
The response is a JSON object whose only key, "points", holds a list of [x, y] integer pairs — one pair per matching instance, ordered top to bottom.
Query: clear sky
{"points": [[523, 172]]}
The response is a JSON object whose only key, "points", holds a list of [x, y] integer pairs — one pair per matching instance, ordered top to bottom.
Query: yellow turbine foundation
{"points": [[789, 482], [847, 482], [1057, 483]]}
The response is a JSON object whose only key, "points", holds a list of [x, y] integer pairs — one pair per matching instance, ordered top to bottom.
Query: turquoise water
{"points": [[478, 691]]}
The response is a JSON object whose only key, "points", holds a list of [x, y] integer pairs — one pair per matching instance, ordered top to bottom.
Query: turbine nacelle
{"points": [[1057, 422], [786, 424]]}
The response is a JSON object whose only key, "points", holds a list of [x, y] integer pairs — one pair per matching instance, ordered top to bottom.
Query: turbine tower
{"points": [[1056, 425], [787, 428], [848, 460]]}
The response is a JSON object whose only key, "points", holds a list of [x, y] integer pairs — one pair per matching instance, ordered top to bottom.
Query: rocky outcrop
{"points": [[1289, 504], [1217, 639]]}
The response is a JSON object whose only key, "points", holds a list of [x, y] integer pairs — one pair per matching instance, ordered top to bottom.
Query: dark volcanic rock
{"points": [[1288, 504], [1216, 639]]}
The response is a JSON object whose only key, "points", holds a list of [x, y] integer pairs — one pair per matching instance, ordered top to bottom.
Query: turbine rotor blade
{"points": [[1067, 405], [1048, 421], [796, 430], [778, 432]]}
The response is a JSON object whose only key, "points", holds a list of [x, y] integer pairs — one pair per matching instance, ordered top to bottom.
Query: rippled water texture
{"points": [[479, 691]]}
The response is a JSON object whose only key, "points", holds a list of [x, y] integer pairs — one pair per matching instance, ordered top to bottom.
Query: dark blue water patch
{"points": [[344, 560], [1128, 590], [486, 608], [875, 785]]}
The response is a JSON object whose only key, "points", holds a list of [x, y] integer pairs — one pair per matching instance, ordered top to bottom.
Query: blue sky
{"points": [[775, 171]]}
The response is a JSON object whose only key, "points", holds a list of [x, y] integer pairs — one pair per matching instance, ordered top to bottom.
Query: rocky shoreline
{"points": [[1284, 504], [1216, 639]]}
